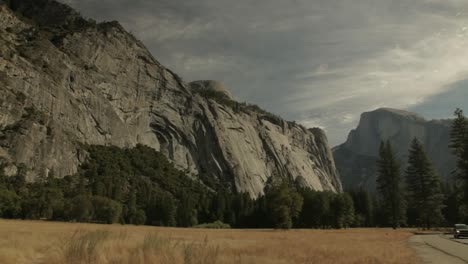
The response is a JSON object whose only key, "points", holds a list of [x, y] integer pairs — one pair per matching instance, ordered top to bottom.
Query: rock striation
{"points": [[66, 81], [356, 158]]}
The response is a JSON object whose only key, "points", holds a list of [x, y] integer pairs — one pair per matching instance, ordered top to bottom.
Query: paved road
{"points": [[461, 240], [439, 249]]}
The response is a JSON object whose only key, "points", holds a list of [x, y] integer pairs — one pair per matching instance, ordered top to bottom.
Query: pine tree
{"points": [[458, 133], [459, 145], [389, 185], [425, 198], [363, 206], [342, 210], [451, 210]]}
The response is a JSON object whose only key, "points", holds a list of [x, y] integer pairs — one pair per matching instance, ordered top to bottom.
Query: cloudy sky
{"points": [[320, 62]]}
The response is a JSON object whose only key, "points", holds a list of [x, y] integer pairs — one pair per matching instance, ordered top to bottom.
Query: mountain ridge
{"points": [[71, 81]]}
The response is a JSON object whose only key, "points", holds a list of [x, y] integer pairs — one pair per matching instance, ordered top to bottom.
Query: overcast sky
{"points": [[320, 62]]}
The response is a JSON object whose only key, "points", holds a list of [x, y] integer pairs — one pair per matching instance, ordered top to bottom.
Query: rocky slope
{"points": [[66, 81], [356, 158]]}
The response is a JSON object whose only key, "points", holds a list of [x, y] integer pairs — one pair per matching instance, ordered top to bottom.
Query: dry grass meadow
{"points": [[54, 243]]}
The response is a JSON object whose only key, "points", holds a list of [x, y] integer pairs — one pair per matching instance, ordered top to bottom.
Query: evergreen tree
{"points": [[458, 133], [459, 145], [389, 185], [425, 199], [9, 203], [284, 204], [243, 207], [81, 208], [131, 209], [313, 209], [342, 210], [451, 210], [364, 215]]}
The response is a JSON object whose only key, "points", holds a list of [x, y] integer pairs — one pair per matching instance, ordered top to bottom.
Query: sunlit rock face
{"points": [[66, 81], [356, 158]]}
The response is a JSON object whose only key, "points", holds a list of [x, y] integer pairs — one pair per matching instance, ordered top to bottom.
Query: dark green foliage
{"points": [[50, 15], [212, 94], [31, 113], [15, 127], [458, 133], [459, 145], [145, 181], [137, 186], [140, 186], [389, 186], [423, 189], [452, 203], [284, 204], [10, 206], [243, 207], [80, 208], [364, 208], [161, 209], [316, 209], [326, 209], [106, 210], [342, 211], [133, 215], [187, 215], [139, 218]]}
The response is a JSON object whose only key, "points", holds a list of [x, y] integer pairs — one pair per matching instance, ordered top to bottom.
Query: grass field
{"points": [[51, 242]]}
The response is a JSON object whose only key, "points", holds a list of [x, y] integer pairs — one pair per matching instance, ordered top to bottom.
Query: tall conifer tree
{"points": [[459, 145], [389, 185], [425, 199]]}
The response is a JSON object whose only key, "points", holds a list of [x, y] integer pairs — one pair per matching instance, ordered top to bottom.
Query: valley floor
{"points": [[54, 242]]}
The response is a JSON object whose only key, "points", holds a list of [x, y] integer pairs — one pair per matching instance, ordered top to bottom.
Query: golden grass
{"points": [[54, 243]]}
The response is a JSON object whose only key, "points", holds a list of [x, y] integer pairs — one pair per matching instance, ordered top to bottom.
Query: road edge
{"points": [[445, 252]]}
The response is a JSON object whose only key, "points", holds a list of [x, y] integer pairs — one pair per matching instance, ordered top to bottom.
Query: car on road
{"points": [[460, 230]]}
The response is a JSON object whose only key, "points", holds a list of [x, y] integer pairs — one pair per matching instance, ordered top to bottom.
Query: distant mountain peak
{"points": [[396, 112], [355, 159]]}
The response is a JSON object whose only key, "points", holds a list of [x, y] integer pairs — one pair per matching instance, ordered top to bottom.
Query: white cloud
{"points": [[320, 62], [399, 77]]}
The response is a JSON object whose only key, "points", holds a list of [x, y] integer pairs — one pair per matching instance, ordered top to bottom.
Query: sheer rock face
{"points": [[67, 81], [356, 158]]}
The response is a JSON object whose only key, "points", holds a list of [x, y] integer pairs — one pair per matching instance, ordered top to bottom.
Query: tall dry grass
{"points": [[54, 243]]}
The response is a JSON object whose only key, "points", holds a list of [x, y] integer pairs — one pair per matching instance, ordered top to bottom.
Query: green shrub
{"points": [[9, 203], [81, 208], [106, 210]]}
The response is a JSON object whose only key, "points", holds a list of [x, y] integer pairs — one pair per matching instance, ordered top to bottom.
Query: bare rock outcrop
{"points": [[66, 81]]}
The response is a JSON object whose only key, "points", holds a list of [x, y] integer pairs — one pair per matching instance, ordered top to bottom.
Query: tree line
{"points": [[141, 186]]}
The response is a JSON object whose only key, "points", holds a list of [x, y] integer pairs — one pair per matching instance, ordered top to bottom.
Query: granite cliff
{"points": [[66, 81], [356, 158]]}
